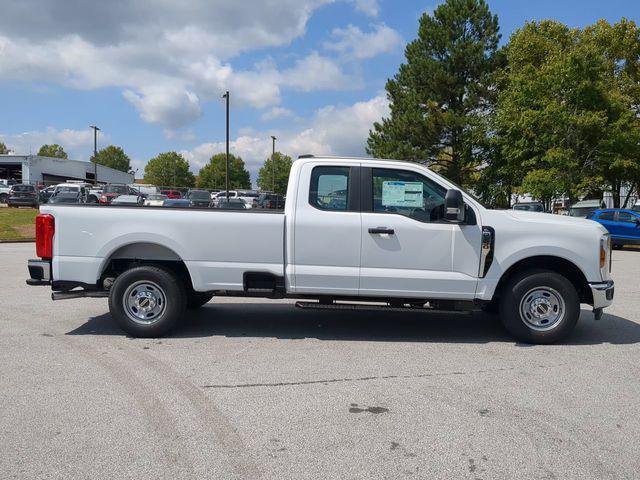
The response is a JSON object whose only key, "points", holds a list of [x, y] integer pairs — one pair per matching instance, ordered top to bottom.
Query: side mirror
{"points": [[454, 209]]}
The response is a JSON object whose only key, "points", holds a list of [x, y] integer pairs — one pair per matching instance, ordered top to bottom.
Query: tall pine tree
{"points": [[442, 95]]}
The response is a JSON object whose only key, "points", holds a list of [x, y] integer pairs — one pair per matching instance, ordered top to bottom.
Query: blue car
{"points": [[623, 225]]}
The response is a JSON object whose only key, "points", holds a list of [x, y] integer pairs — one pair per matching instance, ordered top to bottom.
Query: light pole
{"points": [[226, 95], [95, 153], [273, 164]]}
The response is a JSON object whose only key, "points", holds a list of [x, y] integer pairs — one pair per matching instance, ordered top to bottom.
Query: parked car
{"points": [[80, 189], [143, 189], [112, 191], [4, 192], [46, 193], [171, 194], [23, 195], [221, 195], [248, 196], [73, 197], [199, 198], [128, 200], [154, 200], [271, 201], [176, 202], [232, 204], [529, 206], [636, 207], [585, 208], [622, 224], [426, 245]]}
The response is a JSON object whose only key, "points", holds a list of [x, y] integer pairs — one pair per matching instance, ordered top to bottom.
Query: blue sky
{"points": [[311, 72]]}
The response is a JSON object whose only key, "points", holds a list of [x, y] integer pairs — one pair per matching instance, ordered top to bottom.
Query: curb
{"points": [[26, 240]]}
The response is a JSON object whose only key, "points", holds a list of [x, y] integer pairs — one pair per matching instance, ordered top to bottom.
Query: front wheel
{"points": [[147, 301], [539, 306]]}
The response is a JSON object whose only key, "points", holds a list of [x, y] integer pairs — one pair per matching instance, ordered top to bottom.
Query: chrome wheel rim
{"points": [[144, 302], [542, 308]]}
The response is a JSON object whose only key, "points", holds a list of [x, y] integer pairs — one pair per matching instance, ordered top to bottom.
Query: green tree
{"points": [[441, 97], [566, 109], [3, 149], [54, 150], [113, 157], [282, 165], [169, 169], [212, 175]]}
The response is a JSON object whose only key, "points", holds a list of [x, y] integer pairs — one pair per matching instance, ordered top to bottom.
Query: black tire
{"points": [[3, 198], [618, 246], [165, 292], [198, 299], [558, 305], [492, 307]]}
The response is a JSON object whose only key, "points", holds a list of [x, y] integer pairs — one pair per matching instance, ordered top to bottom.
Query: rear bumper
{"points": [[22, 202], [39, 272], [602, 294]]}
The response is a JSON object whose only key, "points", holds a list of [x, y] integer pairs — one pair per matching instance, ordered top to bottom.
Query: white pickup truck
{"points": [[355, 233]]}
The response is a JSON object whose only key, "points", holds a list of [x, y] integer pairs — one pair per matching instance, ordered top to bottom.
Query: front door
{"points": [[327, 229], [408, 250]]}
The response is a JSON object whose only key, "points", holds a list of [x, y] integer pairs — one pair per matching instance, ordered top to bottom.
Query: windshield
{"points": [[23, 188], [115, 189], [199, 195], [156, 197], [529, 208], [581, 211]]}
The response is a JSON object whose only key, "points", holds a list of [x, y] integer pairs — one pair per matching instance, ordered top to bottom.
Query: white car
{"points": [[4, 192], [223, 194], [130, 200], [154, 200], [353, 231]]}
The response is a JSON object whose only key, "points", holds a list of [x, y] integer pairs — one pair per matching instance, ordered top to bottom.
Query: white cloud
{"points": [[368, 7], [351, 42], [168, 57], [277, 112], [333, 130], [77, 143]]}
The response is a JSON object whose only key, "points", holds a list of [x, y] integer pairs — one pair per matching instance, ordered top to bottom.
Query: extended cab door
{"points": [[327, 228], [408, 250]]}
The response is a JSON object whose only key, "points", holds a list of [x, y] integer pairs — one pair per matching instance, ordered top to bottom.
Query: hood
{"points": [[546, 219]]}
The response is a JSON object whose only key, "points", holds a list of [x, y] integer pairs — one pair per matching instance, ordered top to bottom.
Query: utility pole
{"points": [[226, 95], [95, 153], [273, 164]]}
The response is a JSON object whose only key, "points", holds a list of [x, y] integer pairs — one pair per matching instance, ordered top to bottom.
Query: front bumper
{"points": [[39, 272], [602, 294]]}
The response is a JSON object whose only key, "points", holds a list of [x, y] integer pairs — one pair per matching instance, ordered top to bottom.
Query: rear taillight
{"points": [[45, 228]]}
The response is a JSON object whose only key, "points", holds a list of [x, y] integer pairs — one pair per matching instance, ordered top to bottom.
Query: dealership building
{"points": [[35, 169]]}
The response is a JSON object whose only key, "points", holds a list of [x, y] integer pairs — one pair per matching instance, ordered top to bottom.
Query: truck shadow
{"points": [[285, 321]]}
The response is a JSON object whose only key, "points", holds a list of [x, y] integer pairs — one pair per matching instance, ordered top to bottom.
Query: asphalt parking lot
{"points": [[252, 389]]}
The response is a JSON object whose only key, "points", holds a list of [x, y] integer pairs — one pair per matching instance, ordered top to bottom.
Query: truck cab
{"points": [[393, 234]]}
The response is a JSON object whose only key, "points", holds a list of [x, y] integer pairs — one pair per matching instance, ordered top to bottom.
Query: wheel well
{"points": [[137, 254], [555, 264]]}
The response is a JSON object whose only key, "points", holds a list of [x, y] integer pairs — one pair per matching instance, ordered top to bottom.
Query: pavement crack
{"points": [[364, 379]]}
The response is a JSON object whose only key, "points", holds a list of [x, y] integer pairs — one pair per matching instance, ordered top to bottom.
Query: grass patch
{"points": [[17, 223]]}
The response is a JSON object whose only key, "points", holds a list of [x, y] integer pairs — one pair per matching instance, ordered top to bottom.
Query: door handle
{"points": [[388, 231]]}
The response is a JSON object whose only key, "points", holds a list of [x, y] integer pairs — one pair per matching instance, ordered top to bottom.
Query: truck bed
{"points": [[217, 246]]}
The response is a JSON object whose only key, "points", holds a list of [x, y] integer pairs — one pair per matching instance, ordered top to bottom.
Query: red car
{"points": [[109, 192], [172, 194]]}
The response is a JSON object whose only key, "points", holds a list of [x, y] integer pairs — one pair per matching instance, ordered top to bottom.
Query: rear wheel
{"points": [[3, 198], [198, 299], [147, 301], [539, 306]]}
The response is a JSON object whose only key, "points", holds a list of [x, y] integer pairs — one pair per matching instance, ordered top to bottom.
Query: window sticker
{"points": [[402, 194]]}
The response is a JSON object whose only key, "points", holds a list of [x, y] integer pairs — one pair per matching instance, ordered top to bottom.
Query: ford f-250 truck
{"points": [[393, 234]]}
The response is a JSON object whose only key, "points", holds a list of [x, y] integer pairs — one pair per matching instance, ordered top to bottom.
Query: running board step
{"points": [[79, 294], [364, 306]]}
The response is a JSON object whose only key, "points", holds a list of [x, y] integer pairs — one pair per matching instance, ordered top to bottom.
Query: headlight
{"points": [[605, 255]]}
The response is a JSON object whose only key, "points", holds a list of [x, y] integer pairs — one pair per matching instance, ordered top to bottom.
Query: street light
{"points": [[226, 95], [95, 153], [273, 164]]}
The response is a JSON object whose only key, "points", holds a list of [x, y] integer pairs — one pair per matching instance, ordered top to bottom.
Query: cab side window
{"points": [[329, 189], [407, 193]]}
